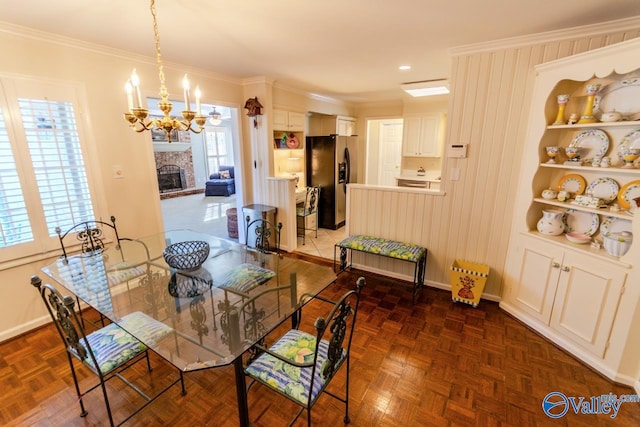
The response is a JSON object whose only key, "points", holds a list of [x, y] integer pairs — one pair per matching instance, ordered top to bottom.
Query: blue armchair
{"points": [[219, 186]]}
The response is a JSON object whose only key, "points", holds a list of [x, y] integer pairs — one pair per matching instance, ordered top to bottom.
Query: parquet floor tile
{"points": [[433, 364]]}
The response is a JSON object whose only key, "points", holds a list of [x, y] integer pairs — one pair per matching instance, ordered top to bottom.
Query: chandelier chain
{"points": [[156, 36]]}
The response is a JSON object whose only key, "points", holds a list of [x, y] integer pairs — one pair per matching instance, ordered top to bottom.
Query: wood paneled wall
{"points": [[489, 110]]}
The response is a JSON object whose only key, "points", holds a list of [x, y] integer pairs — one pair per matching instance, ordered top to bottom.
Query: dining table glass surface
{"points": [[216, 312]]}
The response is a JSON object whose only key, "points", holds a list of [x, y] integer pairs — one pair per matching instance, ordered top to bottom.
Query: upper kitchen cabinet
{"points": [[288, 120], [322, 124], [346, 126], [421, 135]]}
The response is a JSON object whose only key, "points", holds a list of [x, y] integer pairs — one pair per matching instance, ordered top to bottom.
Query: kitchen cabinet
{"points": [[288, 121], [346, 126], [421, 135], [569, 292], [578, 295]]}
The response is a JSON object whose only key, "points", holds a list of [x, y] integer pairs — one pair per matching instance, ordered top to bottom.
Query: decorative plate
{"points": [[620, 96], [631, 140], [292, 142], [593, 142], [573, 183], [603, 188], [627, 193], [580, 222], [615, 225]]}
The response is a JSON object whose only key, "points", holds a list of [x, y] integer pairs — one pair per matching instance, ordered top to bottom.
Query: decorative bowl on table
{"points": [[578, 238], [186, 256]]}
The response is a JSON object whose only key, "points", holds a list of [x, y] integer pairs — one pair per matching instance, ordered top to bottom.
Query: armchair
{"points": [[219, 184]]}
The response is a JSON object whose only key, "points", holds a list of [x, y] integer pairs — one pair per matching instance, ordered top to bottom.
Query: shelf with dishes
{"points": [[624, 123], [288, 140]]}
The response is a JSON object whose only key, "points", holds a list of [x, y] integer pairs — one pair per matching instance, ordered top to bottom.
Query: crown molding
{"points": [[632, 23], [68, 42]]}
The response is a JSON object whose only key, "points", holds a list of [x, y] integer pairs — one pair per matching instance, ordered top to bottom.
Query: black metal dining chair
{"points": [[309, 209], [91, 238], [264, 265], [106, 352], [300, 365]]}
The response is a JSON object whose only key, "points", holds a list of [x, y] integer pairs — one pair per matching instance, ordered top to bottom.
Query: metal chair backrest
{"points": [[311, 200], [90, 235], [265, 235], [67, 321]]}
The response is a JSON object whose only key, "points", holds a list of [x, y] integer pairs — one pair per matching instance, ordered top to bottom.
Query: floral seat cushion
{"points": [[385, 247], [245, 277], [113, 346], [290, 380]]}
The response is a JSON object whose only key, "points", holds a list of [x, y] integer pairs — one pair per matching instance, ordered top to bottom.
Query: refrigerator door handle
{"points": [[347, 160]]}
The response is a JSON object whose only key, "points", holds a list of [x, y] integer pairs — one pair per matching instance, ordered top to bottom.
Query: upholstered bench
{"points": [[384, 247]]}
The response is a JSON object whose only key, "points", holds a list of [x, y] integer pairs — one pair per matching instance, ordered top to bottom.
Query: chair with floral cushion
{"points": [[261, 264], [108, 351], [300, 365]]}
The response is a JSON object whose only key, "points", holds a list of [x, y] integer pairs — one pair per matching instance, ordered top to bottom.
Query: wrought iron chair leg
{"points": [[148, 361], [106, 401], [83, 411]]}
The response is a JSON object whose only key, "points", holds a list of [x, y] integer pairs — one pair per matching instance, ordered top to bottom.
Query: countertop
{"points": [[427, 177]]}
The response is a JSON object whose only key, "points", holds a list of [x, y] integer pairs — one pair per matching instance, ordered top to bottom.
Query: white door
{"points": [[390, 148]]}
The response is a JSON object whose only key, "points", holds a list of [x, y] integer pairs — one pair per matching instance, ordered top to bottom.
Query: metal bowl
{"points": [[186, 256]]}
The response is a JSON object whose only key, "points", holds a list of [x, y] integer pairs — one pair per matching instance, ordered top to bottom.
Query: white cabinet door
{"points": [[280, 120], [296, 121], [346, 127], [411, 135], [421, 135], [430, 136], [534, 290], [586, 301]]}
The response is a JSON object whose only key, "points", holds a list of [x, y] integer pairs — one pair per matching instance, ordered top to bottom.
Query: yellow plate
{"points": [[573, 183], [627, 193]]}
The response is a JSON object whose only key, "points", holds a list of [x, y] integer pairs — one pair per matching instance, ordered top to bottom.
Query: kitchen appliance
{"points": [[331, 165]]}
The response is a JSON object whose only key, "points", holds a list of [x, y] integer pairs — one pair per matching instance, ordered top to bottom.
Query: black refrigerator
{"points": [[331, 165]]}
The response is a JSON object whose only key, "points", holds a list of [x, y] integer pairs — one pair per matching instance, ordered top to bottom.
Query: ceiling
{"points": [[346, 49]]}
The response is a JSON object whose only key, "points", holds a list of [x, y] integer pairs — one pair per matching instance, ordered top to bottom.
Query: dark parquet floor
{"points": [[432, 364]]}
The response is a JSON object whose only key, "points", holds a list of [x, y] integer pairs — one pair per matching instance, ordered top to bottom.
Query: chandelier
{"points": [[137, 114]]}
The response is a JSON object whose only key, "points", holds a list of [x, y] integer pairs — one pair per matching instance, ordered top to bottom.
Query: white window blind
{"points": [[56, 155], [45, 174], [14, 220]]}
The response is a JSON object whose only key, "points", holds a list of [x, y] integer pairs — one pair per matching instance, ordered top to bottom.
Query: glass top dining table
{"points": [[216, 312]]}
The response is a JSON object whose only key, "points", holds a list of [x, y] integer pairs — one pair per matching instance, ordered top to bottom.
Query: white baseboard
{"points": [[25, 327], [636, 387]]}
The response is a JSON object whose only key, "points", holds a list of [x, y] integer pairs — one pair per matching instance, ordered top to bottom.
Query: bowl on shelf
{"points": [[549, 194], [578, 238], [617, 244], [186, 256]]}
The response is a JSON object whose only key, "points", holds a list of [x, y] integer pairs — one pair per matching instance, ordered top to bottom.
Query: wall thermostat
{"points": [[457, 150]]}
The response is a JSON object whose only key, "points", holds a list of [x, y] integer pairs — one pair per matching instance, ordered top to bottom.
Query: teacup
{"points": [[572, 152], [563, 196]]}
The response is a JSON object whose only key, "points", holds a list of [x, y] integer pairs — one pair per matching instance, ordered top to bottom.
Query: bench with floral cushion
{"points": [[384, 247]]}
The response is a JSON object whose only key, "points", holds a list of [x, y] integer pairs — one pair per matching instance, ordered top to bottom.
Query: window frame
{"points": [[13, 87]]}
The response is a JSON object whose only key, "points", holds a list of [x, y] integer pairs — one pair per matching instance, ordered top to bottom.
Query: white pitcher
{"points": [[551, 222]]}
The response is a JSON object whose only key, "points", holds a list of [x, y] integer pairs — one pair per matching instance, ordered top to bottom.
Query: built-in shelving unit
{"points": [[578, 295]]}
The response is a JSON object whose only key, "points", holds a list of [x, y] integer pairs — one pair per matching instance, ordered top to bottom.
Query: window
{"points": [[218, 148], [43, 178]]}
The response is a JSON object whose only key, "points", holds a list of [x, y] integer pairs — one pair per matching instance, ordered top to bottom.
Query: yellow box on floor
{"points": [[467, 281]]}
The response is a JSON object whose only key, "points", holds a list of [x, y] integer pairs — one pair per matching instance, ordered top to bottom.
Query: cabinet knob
{"points": [[555, 265], [565, 268]]}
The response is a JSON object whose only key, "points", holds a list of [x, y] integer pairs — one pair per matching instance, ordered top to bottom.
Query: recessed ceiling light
{"points": [[404, 67], [426, 88]]}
